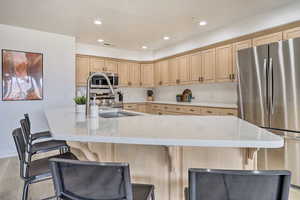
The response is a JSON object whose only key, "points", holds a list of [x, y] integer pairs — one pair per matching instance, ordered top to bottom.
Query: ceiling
{"points": [[130, 24]]}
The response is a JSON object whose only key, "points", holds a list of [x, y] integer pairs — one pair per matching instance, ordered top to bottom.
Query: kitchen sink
{"points": [[117, 114]]}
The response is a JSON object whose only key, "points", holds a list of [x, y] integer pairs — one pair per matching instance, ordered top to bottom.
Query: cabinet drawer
{"points": [[130, 106], [156, 106], [168, 108], [193, 110], [210, 111], [232, 112]]}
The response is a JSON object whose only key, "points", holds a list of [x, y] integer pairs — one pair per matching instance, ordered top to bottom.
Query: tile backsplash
{"points": [[215, 92]]}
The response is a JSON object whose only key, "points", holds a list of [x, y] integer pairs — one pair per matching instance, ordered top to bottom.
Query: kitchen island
{"points": [[160, 149]]}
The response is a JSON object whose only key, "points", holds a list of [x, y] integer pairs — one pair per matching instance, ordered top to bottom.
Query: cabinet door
{"points": [[291, 33], [266, 39], [236, 47], [224, 63], [97, 64], [196, 65], [208, 65], [111, 66], [184, 69], [82, 70], [173, 71], [164, 72], [123, 73], [134, 74], [147, 75], [157, 77]]}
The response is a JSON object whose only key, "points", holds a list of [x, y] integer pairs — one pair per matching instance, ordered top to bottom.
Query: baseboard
{"points": [[7, 155]]}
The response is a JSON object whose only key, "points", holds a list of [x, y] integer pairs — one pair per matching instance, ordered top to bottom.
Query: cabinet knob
{"points": [[233, 76], [199, 79], [209, 111]]}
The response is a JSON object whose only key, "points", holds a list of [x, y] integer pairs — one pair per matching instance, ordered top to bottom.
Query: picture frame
{"points": [[22, 76]]}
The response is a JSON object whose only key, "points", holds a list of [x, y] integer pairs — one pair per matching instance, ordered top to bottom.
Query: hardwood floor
{"points": [[12, 185]]}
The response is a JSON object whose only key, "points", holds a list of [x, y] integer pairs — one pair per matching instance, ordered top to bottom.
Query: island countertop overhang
{"points": [[194, 131]]}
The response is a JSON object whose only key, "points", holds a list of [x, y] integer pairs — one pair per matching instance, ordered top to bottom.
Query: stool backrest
{"points": [[26, 117], [26, 130], [21, 149], [82, 180], [205, 184]]}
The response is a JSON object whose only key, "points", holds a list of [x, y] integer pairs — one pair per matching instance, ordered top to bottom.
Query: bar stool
{"points": [[39, 135], [40, 147], [34, 171], [82, 180], [209, 184]]}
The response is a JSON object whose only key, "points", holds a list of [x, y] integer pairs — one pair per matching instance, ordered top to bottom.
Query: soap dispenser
{"points": [[94, 110]]}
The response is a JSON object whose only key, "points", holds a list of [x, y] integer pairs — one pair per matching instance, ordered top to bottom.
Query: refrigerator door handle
{"points": [[271, 84], [266, 85]]}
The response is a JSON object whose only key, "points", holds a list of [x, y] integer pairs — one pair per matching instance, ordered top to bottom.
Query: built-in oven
{"points": [[102, 82], [287, 157]]}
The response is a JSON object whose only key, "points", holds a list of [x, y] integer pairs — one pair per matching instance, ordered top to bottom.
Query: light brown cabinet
{"points": [[291, 33], [266, 39], [236, 47], [224, 63], [96, 64], [208, 65], [111, 66], [196, 67], [184, 69], [82, 70], [173, 71], [123, 73], [162, 73], [134, 75], [147, 75]]}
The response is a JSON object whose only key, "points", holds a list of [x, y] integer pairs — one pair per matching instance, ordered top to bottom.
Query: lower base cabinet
{"points": [[168, 109]]}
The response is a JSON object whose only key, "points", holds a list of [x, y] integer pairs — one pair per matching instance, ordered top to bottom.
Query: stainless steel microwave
{"points": [[101, 82]]}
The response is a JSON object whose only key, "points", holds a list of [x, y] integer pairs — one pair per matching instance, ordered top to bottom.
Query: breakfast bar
{"points": [[161, 149]]}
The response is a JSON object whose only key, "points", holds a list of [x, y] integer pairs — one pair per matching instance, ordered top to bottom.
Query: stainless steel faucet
{"points": [[88, 88]]}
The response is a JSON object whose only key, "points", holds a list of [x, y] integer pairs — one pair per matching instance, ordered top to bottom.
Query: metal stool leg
{"points": [[25, 190]]}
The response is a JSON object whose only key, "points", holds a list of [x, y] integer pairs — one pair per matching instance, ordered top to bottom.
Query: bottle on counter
{"points": [[94, 109]]}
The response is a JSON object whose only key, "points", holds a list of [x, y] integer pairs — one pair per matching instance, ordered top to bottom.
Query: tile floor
{"points": [[11, 184]]}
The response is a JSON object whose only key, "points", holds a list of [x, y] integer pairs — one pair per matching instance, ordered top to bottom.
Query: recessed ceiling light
{"points": [[97, 22], [202, 23], [166, 38], [100, 40], [144, 47]]}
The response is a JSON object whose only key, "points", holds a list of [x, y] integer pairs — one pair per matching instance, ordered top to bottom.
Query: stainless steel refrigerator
{"points": [[269, 96]]}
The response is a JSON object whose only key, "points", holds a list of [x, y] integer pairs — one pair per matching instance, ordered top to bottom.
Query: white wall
{"points": [[275, 17], [112, 52], [59, 79], [213, 93]]}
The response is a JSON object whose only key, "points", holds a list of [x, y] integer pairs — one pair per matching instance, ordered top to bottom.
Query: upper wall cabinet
{"points": [[291, 33], [266, 39], [236, 47], [224, 63], [97, 64], [208, 65], [111, 66], [196, 67], [184, 69], [82, 70], [173, 71], [123, 73], [162, 73], [134, 74], [147, 75]]}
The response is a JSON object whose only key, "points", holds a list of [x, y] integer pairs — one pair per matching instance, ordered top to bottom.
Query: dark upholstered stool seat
{"points": [[41, 135], [47, 145], [41, 166], [142, 191]]}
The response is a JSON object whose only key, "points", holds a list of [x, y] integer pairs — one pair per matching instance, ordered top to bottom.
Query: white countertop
{"points": [[205, 104], [201, 131]]}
